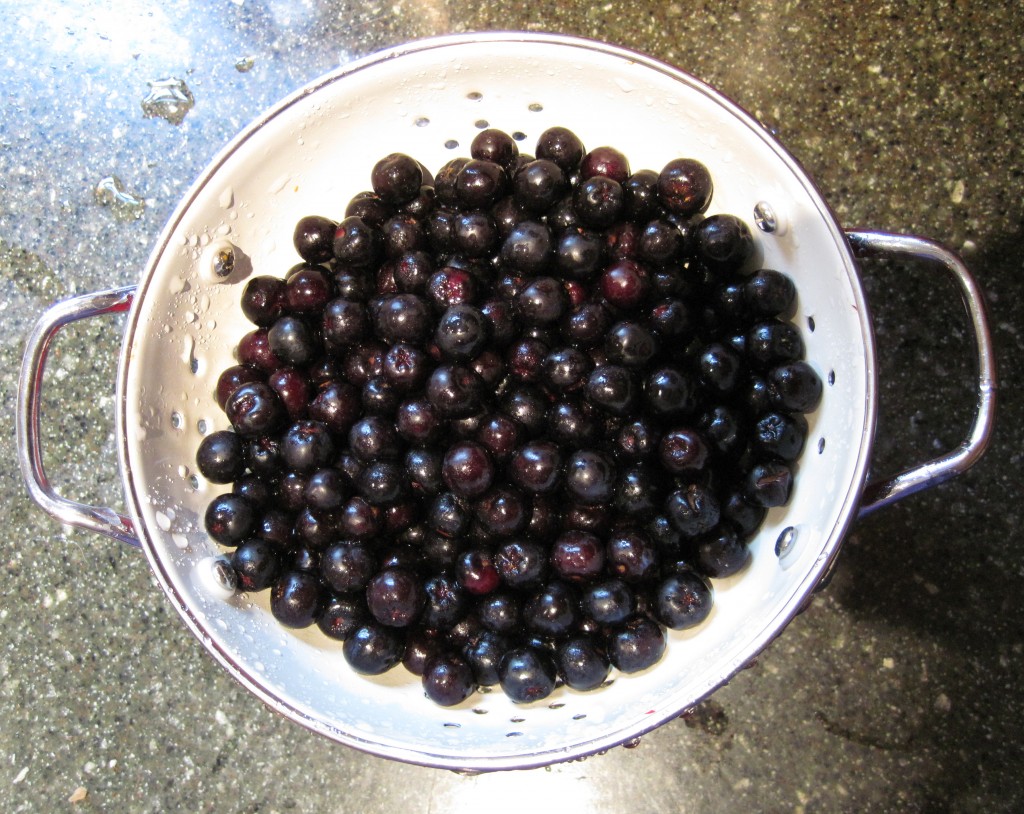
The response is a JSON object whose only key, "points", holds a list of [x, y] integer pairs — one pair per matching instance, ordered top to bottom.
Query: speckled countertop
{"points": [[897, 690]]}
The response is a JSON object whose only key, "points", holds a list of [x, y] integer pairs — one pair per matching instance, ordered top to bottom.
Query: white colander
{"points": [[310, 154]]}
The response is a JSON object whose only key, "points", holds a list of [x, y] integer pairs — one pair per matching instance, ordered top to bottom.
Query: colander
{"points": [[310, 154]]}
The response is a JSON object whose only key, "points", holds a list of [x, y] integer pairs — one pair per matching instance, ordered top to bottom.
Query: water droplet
{"points": [[244, 65], [624, 85], [474, 96], [168, 99], [536, 107], [422, 121], [481, 124], [451, 144], [280, 183], [227, 198], [125, 205], [176, 285], [177, 420], [203, 426], [821, 445], [193, 481], [163, 521], [180, 540], [632, 743]]}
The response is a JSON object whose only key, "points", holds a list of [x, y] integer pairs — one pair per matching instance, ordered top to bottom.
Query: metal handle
{"points": [[882, 492], [94, 518]]}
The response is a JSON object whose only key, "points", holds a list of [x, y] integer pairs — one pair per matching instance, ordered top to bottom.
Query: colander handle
{"points": [[883, 491], [94, 518]]}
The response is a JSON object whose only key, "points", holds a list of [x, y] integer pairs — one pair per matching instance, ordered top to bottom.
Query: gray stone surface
{"points": [[897, 690]]}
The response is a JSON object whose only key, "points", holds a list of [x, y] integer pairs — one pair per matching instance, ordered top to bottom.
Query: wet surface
{"points": [[897, 689]]}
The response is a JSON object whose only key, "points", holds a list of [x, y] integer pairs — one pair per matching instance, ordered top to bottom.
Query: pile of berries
{"points": [[502, 424]]}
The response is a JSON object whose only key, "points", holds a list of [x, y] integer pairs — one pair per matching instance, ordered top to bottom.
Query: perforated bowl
{"points": [[310, 154]]}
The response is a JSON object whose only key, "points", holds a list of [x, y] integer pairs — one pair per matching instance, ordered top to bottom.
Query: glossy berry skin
{"points": [[496, 146], [562, 146], [606, 161], [396, 179], [479, 184], [539, 185], [685, 186], [598, 201], [314, 238], [725, 242], [356, 243], [528, 247], [625, 284], [307, 291], [769, 293], [263, 300], [542, 301], [344, 323], [461, 332], [292, 341], [773, 343], [629, 344], [720, 368], [795, 386], [292, 387], [611, 388], [455, 391], [670, 393], [337, 405], [254, 409], [781, 436], [373, 438], [307, 446], [682, 451], [221, 457], [536, 466], [467, 469], [590, 476], [382, 482], [769, 484], [693, 510], [502, 511], [230, 519], [721, 554], [577, 556], [631, 557], [521, 562], [256, 564], [347, 566], [477, 572], [395, 597], [295, 599], [683, 600], [445, 602], [609, 602], [552, 610], [499, 612], [339, 616], [637, 645], [373, 648], [484, 654], [582, 664], [527, 674], [448, 679]]}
